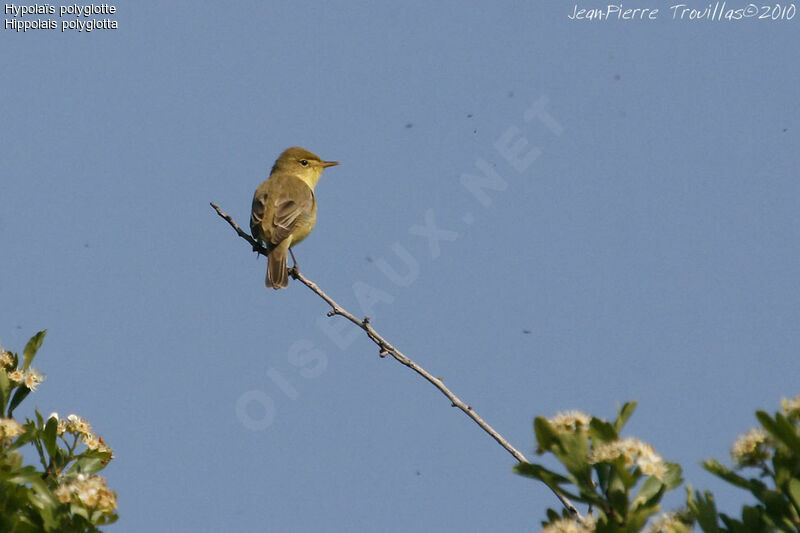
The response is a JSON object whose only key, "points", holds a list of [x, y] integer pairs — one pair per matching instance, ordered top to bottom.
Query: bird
{"points": [[284, 208]]}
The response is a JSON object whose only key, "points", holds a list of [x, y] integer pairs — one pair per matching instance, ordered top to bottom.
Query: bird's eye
{"points": [[304, 162]]}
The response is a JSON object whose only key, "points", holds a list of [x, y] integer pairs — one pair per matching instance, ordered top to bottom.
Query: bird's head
{"points": [[303, 164]]}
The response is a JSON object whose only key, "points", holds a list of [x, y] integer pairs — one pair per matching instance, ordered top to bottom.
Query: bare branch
{"points": [[385, 348]]}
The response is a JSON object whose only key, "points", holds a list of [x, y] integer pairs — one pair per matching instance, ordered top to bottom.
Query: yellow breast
{"points": [[304, 225]]}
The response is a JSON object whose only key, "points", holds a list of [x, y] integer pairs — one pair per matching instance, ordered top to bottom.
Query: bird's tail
{"points": [[277, 273]]}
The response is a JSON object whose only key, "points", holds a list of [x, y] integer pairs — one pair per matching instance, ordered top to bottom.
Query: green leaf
{"points": [[31, 348], [5, 390], [19, 395], [625, 413], [781, 429], [602, 431], [30, 433], [789, 433], [546, 435], [49, 436], [568, 447], [574, 456], [60, 458], [784, 464], [86, 465], [722, 471], [603, 472], [541, 473], [25, 474], [623, 476], [673, 477], [552, 479], [793, 488], [650, 493], [587, 495], [43, 500], [619, 502], [776, 504], [79, 510], [704, 510], [552, 516], [99, 518], [638, 518], [752, 519], [607, 524], [732, 525]]}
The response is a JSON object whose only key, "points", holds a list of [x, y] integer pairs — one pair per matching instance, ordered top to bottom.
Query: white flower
{"points": [[6, 359], [32, 379], [791, 408], [570, 421], [10, 428], [751, 448], [632, 451], [90, 492], [667, 523], [570, 525]]}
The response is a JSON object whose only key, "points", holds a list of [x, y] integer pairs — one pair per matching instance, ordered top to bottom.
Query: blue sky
{"points": [[649, 248]]}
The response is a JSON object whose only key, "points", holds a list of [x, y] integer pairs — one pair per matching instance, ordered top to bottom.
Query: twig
{"points": [[387, 349]]}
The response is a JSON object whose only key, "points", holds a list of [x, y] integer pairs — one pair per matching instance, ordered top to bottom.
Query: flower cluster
{"points": [[6, 359], [30, 379], [791, 408], [570, 421], [80, 427], [9, 429], [752, 448], [632, 451], [90, 492], [64, 493], [667, 523], [571, 525]]}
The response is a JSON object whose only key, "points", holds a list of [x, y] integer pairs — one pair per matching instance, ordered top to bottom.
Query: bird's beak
{"points": [[326, 164]]}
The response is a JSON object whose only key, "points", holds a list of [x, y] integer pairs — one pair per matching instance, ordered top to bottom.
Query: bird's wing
{"points": [[277, 206], [288, 208], [257, 213]]}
